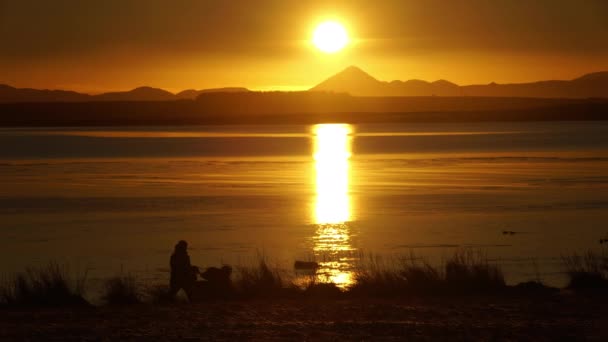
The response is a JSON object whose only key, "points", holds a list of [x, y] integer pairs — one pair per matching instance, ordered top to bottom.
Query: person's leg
{"points": [[173, 291], [191, 292]]}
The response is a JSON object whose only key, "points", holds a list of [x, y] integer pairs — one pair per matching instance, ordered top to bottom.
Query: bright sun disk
{"points": [[330, 37]]}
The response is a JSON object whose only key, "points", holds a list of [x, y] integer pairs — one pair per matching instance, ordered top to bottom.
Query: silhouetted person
{"points": [[183, 274]]}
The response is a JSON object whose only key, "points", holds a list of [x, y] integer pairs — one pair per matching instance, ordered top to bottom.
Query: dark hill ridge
{"points": [[351, 80], [357, 82], [11, 94], [137, 94], [192, 94]]}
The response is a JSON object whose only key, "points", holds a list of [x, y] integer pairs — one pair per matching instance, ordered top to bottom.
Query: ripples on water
{"points": [[114, 198]]}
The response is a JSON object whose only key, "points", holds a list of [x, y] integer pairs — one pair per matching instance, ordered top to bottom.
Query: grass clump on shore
{"points": [[469, 271], [587, 271], [465, 272], [377, 276], [420, 277], [259, 280], [48, 286], [315, 287], [122, 290]]}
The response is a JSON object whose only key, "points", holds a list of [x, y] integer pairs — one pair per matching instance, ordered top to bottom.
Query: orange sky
{"points": [[119, 45]]}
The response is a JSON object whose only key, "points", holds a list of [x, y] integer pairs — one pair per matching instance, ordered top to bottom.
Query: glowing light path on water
{"points": [[332, 154], [332, 210]]}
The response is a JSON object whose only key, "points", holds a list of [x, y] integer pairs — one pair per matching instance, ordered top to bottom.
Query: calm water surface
{"points": [[112, 199]]}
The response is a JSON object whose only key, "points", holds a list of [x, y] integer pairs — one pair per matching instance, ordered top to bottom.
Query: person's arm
{"points": [[194, 269]]}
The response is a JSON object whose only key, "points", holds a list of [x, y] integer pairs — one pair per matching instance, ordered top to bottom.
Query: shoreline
{"points": [[467, 272]]}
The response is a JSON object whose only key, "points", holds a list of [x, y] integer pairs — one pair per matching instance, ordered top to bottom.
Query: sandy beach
{"points": [[559, 317]]}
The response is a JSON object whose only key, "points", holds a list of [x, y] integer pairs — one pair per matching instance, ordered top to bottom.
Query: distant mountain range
{"points": [[352, 81], [357, 82], [11, 94]]}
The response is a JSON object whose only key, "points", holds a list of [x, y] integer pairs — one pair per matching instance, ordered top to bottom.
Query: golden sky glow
{"points": [[97, 46]]}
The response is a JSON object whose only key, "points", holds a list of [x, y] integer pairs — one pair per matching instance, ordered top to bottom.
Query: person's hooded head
{"points": [[181, 247]]}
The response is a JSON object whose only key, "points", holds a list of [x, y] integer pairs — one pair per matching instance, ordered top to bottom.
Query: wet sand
{"points": [[562, 317]]}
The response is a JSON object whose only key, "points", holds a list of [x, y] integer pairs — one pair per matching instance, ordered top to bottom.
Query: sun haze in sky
{"points": [[330, 37], [98, 46]]}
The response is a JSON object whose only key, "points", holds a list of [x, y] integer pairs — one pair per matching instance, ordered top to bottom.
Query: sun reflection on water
{"points": [[332, 154], [332, 210]]}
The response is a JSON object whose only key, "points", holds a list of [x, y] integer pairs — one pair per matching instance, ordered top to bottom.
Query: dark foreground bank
{"points": [[466, 299], [560, 317]]}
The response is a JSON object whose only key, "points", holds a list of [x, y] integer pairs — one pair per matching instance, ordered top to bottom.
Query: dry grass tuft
{"points": [[469, 271], [587, 271], [465, 272], [377, 276], [421, 277], [260, 280], [48, 286], [122, 290]]}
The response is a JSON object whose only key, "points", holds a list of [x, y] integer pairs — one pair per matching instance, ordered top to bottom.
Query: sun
{"points": [[330, 37]]}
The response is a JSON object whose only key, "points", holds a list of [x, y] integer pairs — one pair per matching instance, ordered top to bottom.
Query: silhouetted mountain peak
{"points": [[355, 73], [596, 76], [351, 80], [357, 82], [416, 82], [444, 83], [6, 87], [143, 88], [149, 90], [137, 94], [187, 94]]}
